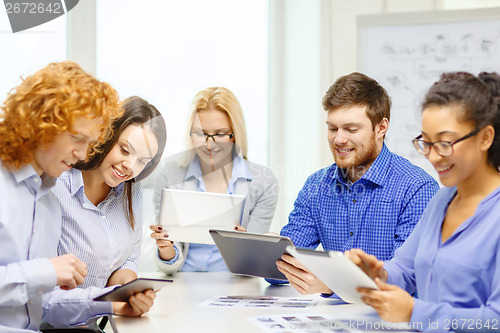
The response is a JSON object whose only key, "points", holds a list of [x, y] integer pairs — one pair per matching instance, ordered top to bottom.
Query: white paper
{"points": [[260, 302], [319, 323]]}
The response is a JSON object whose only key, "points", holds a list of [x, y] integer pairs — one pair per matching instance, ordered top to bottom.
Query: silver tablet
{"points": [[188, 215], [252, 254], [335, 270], [123, 293]]}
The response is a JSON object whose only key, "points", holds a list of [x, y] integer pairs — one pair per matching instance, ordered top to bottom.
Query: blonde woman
{"points": [[216, 163]]}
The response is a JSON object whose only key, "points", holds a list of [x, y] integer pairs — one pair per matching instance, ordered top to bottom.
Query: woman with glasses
{"points": [[216, 163], [452, 258]]}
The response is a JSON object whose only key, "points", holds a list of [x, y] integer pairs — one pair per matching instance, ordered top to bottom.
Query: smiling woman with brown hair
{"points": [[101, 201]]}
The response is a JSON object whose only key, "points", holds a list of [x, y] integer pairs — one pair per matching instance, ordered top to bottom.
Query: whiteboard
{"points": [[407, 52]]}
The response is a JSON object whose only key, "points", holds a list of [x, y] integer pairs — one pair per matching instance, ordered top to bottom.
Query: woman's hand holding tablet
{"points": [[123, 293]]}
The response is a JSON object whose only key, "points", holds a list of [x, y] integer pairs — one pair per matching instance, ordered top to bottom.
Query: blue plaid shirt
{"points": [[376, 213]]}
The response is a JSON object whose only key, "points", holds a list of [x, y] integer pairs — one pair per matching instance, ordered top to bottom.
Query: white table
{"points": [[177, 307]]}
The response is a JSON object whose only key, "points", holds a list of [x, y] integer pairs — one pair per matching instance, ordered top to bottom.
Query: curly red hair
{"points": [[46, 104]]}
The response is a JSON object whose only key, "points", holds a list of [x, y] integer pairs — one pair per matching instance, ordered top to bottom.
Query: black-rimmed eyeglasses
{"points": [[219, 137], [443, 148]]}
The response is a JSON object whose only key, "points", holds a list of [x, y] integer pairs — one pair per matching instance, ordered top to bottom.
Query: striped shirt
{"points": [[376, 213], [99, 236]]}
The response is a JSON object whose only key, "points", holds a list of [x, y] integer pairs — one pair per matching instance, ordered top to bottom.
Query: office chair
{"points": [[93, 328]]}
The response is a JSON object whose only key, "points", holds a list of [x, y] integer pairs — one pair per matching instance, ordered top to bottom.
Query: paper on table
{"points": [[261, 302], [319, 323]]}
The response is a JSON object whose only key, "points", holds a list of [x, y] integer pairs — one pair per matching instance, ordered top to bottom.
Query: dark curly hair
{"points": [[477, 98]]}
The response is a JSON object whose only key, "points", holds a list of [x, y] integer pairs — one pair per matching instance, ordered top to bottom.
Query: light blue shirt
{"points": [[30, 221], [30, 228], [99, 236], [204, 257], [458, 281]]}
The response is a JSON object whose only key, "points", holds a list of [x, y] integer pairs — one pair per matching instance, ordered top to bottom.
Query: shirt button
{"points": [[35, 179], [354, 200], [103, 217], [351, 233], [110, 266]]}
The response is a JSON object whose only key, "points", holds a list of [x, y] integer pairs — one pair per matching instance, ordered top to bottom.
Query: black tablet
{"points": [[252, 254], [123, 293]]}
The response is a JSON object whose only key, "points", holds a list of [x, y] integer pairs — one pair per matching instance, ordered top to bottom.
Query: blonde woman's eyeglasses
{"points": [[219, 137]]}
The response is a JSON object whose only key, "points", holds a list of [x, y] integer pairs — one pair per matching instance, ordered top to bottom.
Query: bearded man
{"points": [[370, 198]]}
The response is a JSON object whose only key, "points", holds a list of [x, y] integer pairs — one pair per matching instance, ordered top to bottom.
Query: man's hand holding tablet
{"points": [[336, 271], [300, 277]]}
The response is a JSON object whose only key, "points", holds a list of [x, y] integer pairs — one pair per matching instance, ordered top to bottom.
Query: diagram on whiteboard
{"points": [[407, 59]]}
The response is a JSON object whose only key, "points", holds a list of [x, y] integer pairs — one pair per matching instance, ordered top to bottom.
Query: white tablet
{"points": [[188, 215], [252, 254], [335, 270], [123, 293]]}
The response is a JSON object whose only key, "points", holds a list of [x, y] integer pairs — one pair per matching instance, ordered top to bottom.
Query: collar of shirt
{"points": [[240, 170], [375, 174], [75, 179], [35, 183], [486, 204]]}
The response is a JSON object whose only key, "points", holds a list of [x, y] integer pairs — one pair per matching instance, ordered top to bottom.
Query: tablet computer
{"points": [[188, 215], [252, 254], [335, 270], [123, 293]]}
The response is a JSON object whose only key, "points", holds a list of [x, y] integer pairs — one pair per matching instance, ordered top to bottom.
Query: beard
{"points": [[363, 156]]}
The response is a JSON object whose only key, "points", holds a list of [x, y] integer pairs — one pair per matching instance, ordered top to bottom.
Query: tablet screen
{"points": [[188, 215], [251, 254], [335, 270], [123, 293]]}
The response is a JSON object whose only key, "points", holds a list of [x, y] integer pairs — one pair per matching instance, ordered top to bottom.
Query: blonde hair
{"points": [[222, 99], [46, 104]]}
